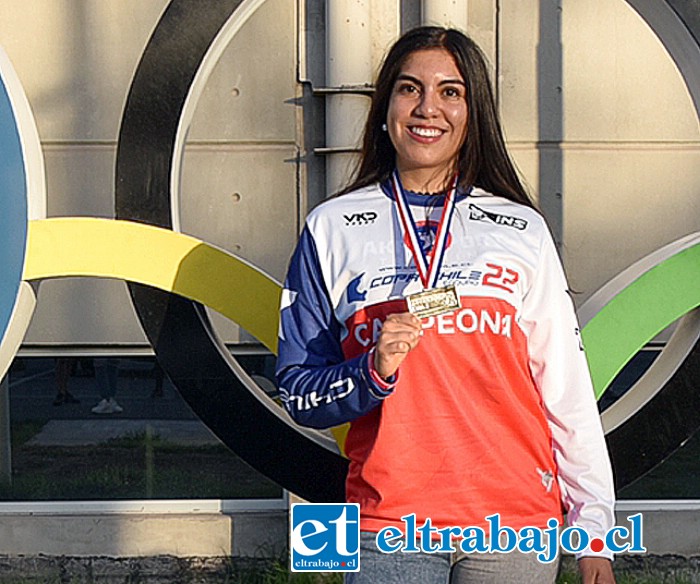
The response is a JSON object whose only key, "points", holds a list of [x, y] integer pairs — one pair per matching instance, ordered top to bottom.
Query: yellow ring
{"points": [[164, 259]]}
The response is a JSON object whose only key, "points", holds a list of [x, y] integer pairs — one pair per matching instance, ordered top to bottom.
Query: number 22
{"points": [[500, 277]]}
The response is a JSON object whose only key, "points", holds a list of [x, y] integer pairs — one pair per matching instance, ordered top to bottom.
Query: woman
{"points": [[483, 405]]}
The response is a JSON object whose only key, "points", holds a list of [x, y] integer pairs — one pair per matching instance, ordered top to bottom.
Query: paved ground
{"points": [[33, 389], [81, 432], [64, 452]]}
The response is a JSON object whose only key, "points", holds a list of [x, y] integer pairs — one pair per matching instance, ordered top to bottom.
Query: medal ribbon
{"points": [[428, 268]]}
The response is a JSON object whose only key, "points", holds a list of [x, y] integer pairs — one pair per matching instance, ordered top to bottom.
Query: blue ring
{"points": [[13, 201]]}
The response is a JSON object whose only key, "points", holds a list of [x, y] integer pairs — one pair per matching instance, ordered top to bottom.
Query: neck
{"points": [[426, 180]]}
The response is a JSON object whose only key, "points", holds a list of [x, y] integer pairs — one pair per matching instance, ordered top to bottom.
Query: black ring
{"points": [[182, 337], [185, 344], [660, 427]]}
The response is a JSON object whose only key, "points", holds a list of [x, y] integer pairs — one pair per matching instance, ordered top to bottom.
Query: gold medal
{"points": [[433, 302]]}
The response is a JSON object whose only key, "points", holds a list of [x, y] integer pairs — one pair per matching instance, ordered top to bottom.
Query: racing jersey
{"points": [[492, 412]]}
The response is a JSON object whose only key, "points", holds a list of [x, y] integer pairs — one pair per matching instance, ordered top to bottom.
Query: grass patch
{"points": [[23, 432], [131, 467], [252, 571], [276, 572]]}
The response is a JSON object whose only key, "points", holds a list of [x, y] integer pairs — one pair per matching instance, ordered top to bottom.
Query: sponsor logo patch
{"points": [[479, 214], [363, 218]]}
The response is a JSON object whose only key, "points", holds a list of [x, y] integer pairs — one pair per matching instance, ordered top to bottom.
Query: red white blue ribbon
{"points": [[428, 266]]}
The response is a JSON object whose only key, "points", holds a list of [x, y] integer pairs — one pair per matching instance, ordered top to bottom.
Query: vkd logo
{"points": [[478, 214], [364, 218], [325, 537]]}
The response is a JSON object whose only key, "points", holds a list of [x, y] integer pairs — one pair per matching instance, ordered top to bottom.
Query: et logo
{"points": [[325, 537]]}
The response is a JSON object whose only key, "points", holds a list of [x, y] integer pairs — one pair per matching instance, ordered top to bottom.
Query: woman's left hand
{"points": [[596, 571]]}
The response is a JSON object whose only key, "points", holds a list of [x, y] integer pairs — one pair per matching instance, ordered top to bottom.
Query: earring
{"points": [[384, 128]]}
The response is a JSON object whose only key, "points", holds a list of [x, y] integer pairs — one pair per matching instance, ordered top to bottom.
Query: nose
{"points": [[427, 106]]}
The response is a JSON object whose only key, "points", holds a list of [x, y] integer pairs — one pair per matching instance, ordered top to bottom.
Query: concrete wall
{"points": [[76, 60], [596, 114], [603, 127], [669, 528], [258, 534]]}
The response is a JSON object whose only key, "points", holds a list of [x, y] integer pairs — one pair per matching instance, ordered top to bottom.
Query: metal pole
{"points": [[450, 13], [348, 64]]}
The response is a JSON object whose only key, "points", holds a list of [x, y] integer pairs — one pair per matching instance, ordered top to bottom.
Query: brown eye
{"points": [[407, 88], [453, 92]]}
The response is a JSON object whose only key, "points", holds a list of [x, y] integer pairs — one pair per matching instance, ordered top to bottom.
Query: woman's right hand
{"points": [[399, 335]]}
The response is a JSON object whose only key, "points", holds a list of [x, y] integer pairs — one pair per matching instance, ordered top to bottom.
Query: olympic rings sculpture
{"points": [[171, 284]]}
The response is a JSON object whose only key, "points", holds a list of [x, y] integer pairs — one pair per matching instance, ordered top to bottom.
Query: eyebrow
{"points": [[407, 77]]}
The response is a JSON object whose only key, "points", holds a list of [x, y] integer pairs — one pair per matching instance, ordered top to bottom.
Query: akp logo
{"points": [[325, 537]]}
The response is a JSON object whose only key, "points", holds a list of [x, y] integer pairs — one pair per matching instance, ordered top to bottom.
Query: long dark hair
{"points": [[483, 158]]}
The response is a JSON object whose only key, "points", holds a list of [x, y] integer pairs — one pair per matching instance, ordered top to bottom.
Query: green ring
{"points": [[640, 312]]}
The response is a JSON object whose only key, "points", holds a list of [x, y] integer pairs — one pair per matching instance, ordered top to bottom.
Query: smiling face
{"points": [[427, 119]]}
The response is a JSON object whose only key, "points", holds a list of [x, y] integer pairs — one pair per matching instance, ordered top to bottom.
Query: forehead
{"points": [[428, 63]]}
